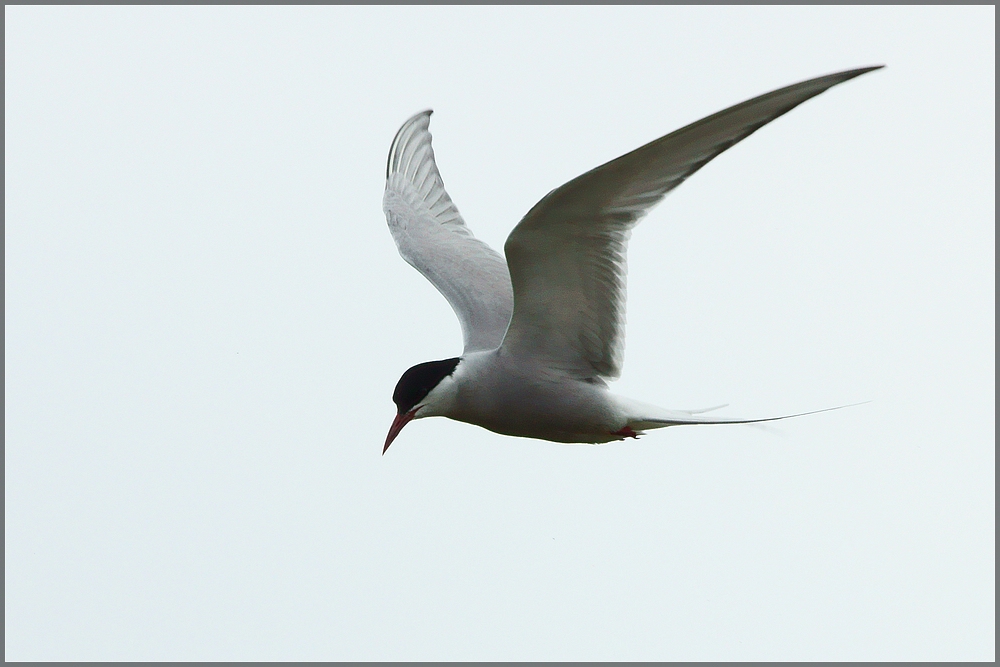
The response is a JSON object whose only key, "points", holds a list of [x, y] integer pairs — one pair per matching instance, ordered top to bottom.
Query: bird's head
{"points": [[425, 390]]}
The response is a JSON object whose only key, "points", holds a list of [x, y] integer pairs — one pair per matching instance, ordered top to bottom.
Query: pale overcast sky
{"points": [[206, 315]]}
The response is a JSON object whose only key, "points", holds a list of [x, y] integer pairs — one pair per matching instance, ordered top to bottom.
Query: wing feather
{"points": [[431, 236], [567, 256]]}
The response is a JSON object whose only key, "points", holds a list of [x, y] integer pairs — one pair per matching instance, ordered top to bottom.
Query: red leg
{"points": [[626, 433]]}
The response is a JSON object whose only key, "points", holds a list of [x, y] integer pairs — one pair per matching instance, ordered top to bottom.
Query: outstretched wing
{"points": [[432, 237], [567, 256]]}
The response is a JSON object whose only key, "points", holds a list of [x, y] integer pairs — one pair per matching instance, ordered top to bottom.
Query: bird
{"points": [[543, 329]]}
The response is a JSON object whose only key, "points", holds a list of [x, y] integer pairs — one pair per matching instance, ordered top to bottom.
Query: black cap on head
{"points": [[418, 381]]}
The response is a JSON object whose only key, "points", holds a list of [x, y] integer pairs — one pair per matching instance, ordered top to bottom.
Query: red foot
{"points": [[626, 433]]}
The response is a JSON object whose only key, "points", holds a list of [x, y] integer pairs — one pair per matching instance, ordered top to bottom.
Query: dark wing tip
{"points": [[851, 73], [824, 82]]}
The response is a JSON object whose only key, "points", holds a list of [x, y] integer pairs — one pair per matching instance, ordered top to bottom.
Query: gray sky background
{"points": [[206, 316]]}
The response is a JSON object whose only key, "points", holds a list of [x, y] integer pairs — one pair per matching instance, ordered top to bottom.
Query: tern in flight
{"points": [[544, 330]]}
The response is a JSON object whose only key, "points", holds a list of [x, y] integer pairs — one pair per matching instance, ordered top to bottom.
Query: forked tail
{"points": [[653, 417]]}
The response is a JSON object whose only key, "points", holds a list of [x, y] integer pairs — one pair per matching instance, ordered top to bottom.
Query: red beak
{"points": [[398, 423]]}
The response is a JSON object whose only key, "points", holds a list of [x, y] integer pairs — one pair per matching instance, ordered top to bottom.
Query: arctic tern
{"points": [[544, 330]]}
